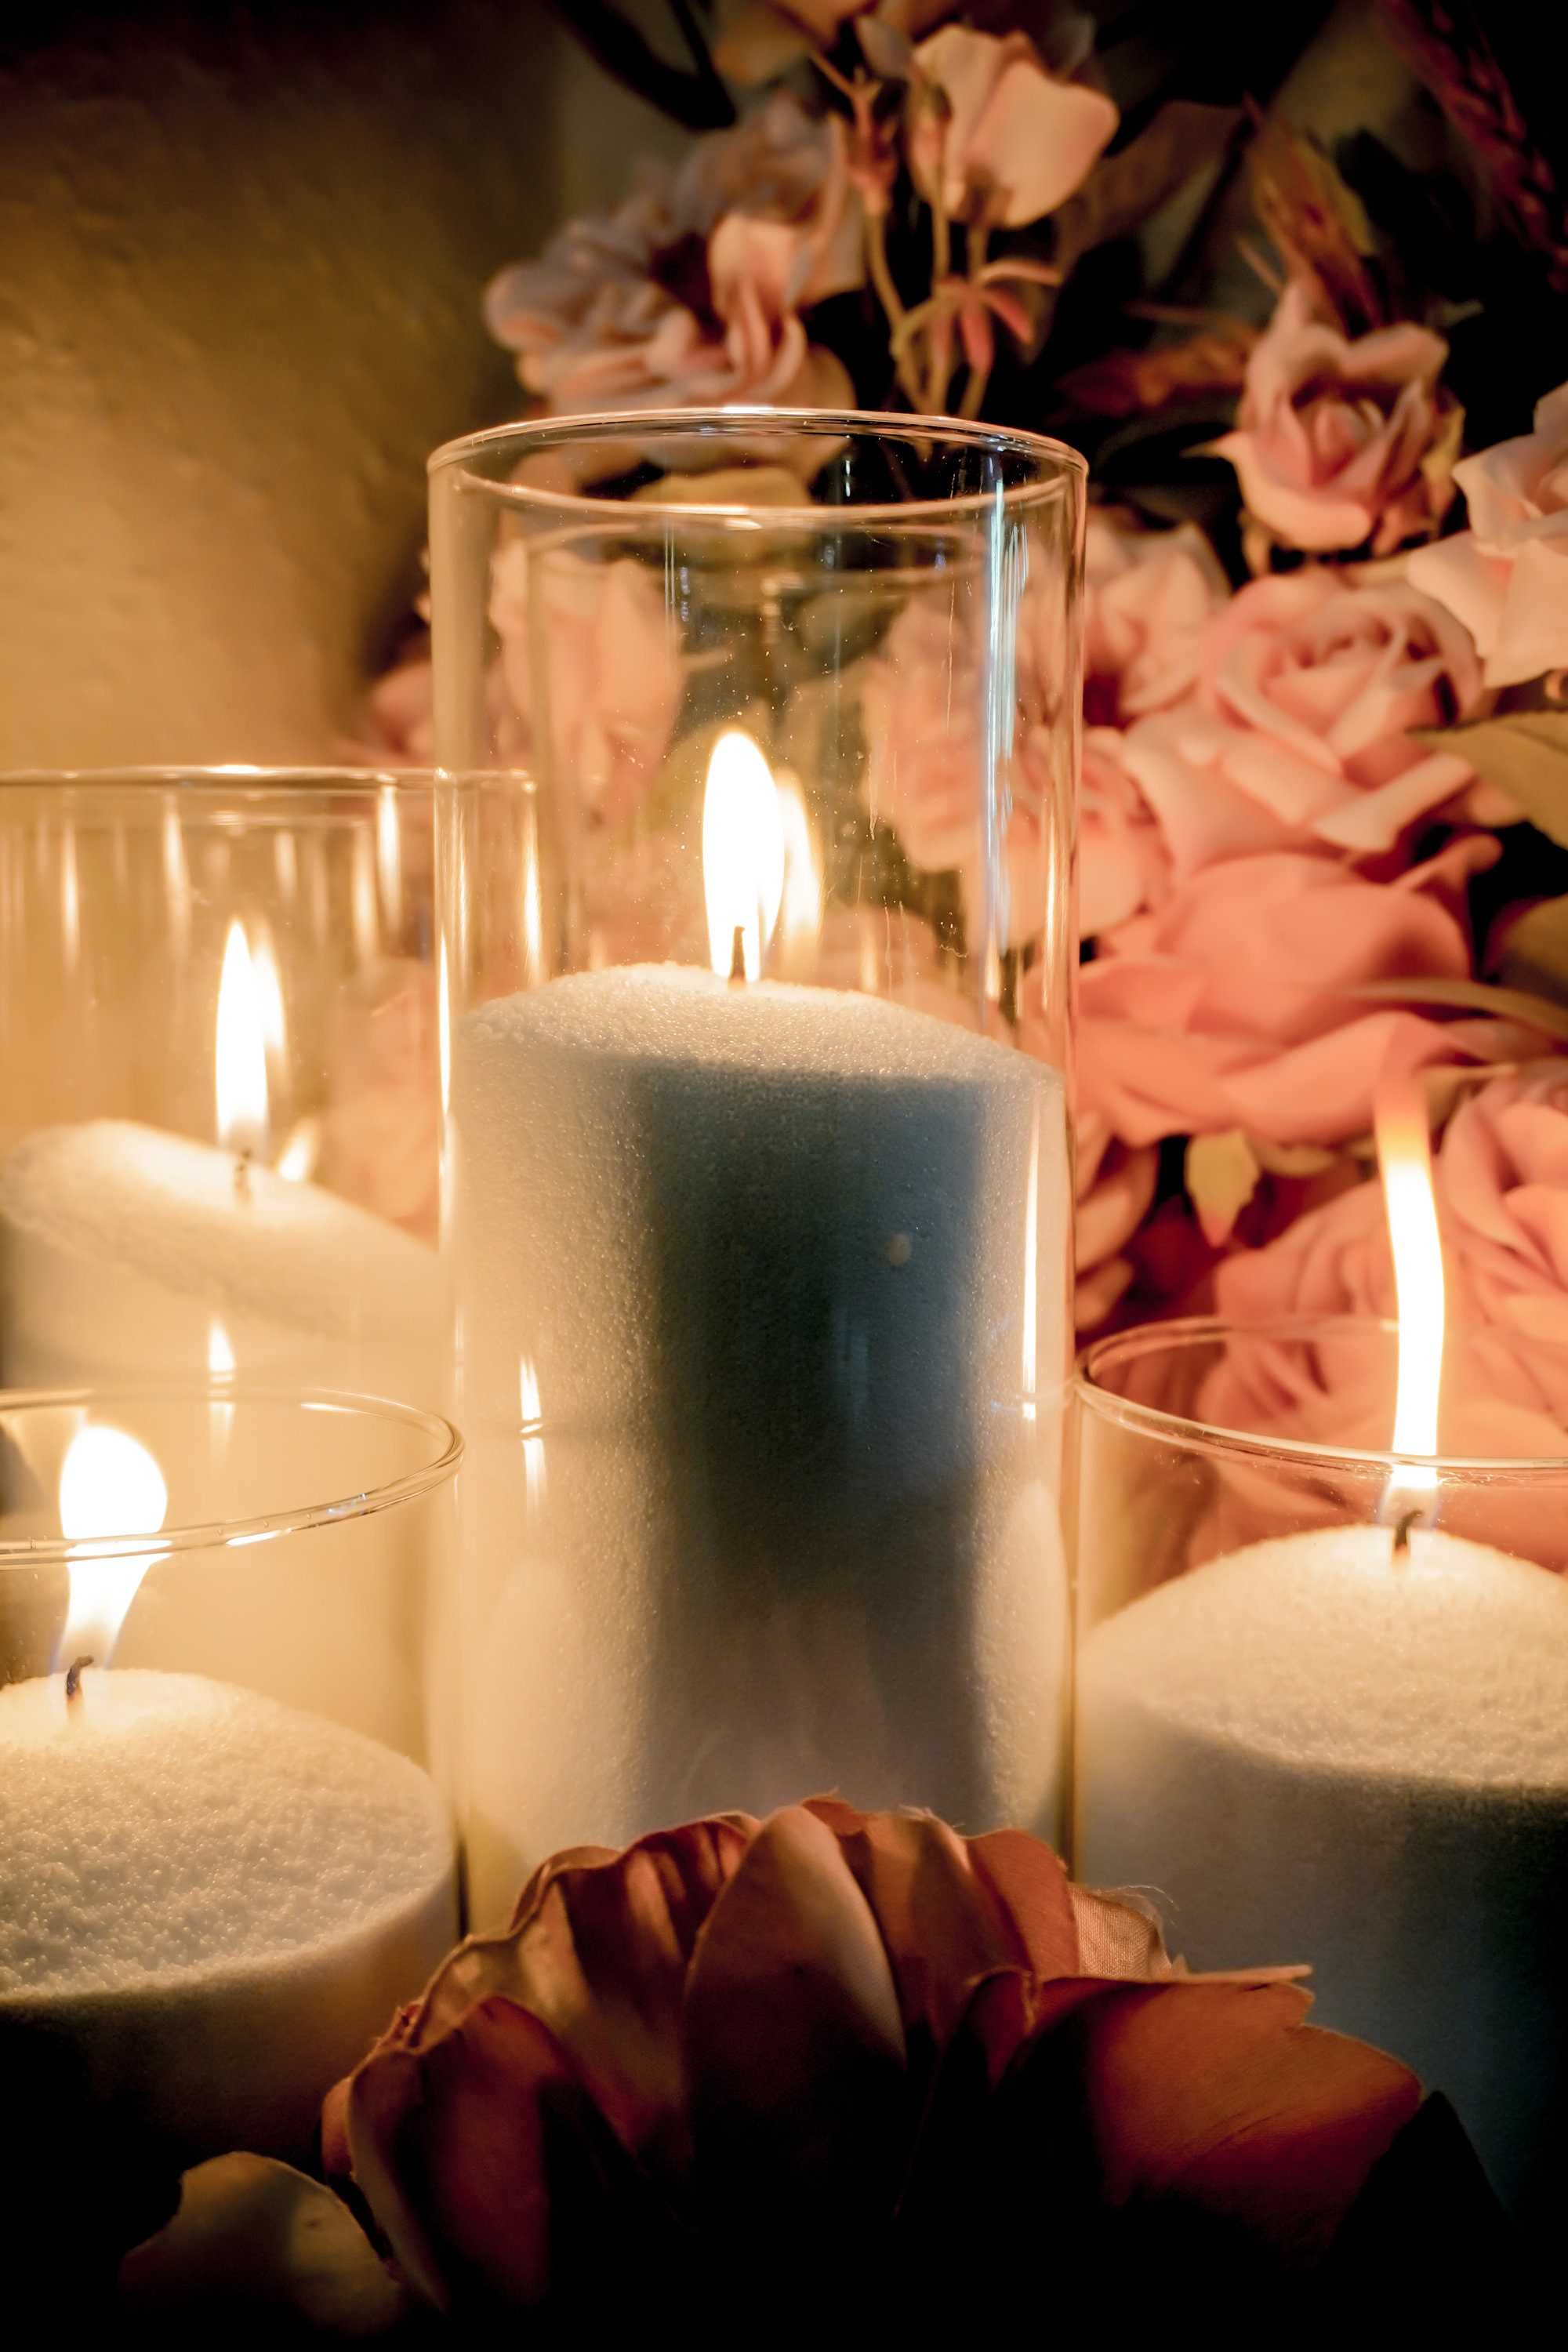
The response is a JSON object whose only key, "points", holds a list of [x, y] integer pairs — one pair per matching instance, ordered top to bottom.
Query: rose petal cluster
{"points": [[997, 138], [690, 291], [1342, 440], [1506, 577], [814, 2061]]}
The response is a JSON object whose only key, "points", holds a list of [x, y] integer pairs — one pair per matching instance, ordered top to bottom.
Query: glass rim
{"points": [[1064, 462], [291, 777], [1145, 1339], [39, 1551]]}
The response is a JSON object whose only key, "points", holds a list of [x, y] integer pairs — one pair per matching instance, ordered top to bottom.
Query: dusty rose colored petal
{"points": [[1507, 577], [793, 2045], [1218, 2100], [478, 2154]]}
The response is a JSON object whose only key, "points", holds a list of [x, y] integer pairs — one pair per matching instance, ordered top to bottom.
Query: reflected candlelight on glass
{"points": [[389, 855], [176, 877], [70, 899], [362, 900], [533, 1439]]}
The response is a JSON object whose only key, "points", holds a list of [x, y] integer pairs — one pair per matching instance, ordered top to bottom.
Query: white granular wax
{"points": [[119, 1244], [764, 1268], [1313, 1751], [219, 1898]]}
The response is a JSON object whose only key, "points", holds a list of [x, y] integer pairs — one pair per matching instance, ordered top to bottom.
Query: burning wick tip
{"points": [[738, 955], [242, 1176], [1401, 1527], [73, 1677]]}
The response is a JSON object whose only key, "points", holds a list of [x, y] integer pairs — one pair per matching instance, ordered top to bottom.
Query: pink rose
{"points": [[1009, 142], [675, 297], [1338, 442], [1507, 576], [1149, 597], [612, 659], [400, 713], [922, 715], [1123, 864], [1228, 1007], [379, 1130], [1501, 1180], [1115, 1186]]}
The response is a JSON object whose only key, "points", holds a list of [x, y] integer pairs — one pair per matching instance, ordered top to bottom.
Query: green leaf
{"points": [[1123, 190], [1524, 754], [1535, 952], [1522, 1004]]}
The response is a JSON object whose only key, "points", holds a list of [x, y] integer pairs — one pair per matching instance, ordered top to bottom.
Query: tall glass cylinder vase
{"points": [[758, 738]]}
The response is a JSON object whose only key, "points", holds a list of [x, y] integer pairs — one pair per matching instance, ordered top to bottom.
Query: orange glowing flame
{"points": [[743, 854], [241, 1064], [1404, 1159], [111, 1492]]}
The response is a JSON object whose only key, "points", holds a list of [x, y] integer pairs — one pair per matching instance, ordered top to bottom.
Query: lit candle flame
{"points": [[743, 854], [241, 1050], [1404, 1158], [110, 1490]]}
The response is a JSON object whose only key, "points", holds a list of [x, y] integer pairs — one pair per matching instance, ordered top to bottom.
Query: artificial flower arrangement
{"points": [[1325, 804], [838, 2070]]}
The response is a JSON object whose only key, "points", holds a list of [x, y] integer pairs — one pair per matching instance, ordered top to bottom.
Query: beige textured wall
{"points": [[241, 250]]}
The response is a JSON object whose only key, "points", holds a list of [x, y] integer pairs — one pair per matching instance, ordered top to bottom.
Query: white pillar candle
{"points": [[130, 1254], [760, 1339], [1309, 1751], [217, 1901]]}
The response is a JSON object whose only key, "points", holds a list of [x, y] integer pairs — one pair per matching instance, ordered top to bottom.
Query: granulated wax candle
{"points": [[760, 1297], [1324, 1750], [215, 1901]]}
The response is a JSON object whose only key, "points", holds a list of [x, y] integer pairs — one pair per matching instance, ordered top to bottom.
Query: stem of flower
{"points": [[892, 302]]}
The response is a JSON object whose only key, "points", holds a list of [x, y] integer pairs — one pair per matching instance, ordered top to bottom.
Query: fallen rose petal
{"points": [[794, 2044]]}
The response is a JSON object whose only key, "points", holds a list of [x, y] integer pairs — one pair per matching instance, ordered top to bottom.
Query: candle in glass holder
{"points": [[747, 1359], [1349, 1745]]}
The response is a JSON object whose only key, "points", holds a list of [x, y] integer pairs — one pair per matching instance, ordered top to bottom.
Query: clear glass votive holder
{"points": [[758, 734], [220, 1079], [1322, 1707], [224, 1863]]}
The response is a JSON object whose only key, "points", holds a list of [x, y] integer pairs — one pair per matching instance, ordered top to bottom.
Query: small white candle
{"points": [[130, 1254], [760, 1288], [1311, 1750], [218, 1900]]}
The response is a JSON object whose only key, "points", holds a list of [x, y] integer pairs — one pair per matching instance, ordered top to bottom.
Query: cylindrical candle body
{"points": [[759, 1362], [1309, 1751], [212, 1901]]}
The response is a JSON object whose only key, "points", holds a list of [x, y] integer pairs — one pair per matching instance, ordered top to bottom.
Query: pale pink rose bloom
{"points": [[1016, 143], [594, 327], [1331, 434], [1507, 576], [1149, 596], [612, 657], [1330, 672], [921, 705], [400, 713], [1123, 864], [1227, 1007], [1115, 1186]]}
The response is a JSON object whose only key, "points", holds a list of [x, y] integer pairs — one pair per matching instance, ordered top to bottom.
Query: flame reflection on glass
{"points": [[743, 854], [241, 1061], [1404, 1159], [110, 1490]]}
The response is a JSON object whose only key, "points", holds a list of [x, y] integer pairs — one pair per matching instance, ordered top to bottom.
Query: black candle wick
{"points": [[738, 953], [73, 1676]]}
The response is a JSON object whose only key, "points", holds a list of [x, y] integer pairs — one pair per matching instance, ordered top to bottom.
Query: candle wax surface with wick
{"points": [[121, 1245], [762, 1346], [1313, 1749], [220, 1901]]}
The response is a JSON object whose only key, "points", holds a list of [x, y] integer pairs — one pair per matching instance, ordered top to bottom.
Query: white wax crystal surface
{"points": [[756, 1261], [1309, 1750], [218, 1898]]}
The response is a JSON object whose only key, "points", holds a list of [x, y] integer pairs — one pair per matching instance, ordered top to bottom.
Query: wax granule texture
{"points": [[1326, 1652], [165, 1824]]}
